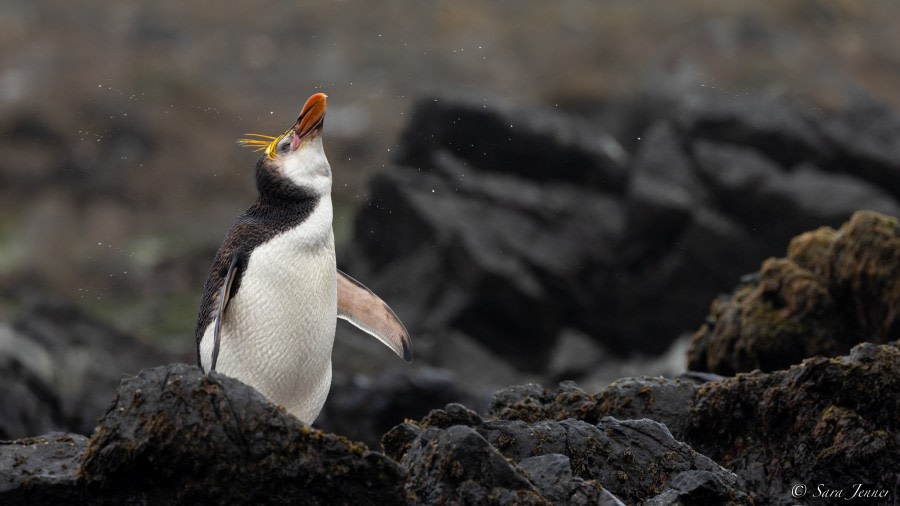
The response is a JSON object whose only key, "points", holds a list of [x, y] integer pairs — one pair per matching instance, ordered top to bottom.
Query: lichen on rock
{"points": [[833, 290]]}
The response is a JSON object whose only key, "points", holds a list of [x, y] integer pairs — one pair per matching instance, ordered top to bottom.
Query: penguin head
{"points": [[296, 158]]}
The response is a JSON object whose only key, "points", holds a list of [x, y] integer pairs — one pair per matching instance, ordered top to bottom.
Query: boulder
{"points": [[773, 127], [863, 138], [531, 142], [475, 227], [835, 288], [79, 361], [667, 401], [29, 404], [826, 420], [829, 421], [175, 435], [569, 461], [458, 465], [42, 470]]}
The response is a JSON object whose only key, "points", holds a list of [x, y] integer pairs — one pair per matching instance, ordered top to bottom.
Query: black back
{"points": [[281, 206]]}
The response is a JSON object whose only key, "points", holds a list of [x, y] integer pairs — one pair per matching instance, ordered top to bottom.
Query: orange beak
{"points": [[311, 116]]}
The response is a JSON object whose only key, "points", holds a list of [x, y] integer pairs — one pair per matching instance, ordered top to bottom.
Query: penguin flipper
{"points": [[224, 297], [365, 310]]}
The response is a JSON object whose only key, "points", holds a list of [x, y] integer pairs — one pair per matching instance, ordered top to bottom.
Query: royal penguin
{"points": [[270, 303]]}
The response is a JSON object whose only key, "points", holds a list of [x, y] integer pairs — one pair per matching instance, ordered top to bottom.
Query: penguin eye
{"points": [[284, 145]]}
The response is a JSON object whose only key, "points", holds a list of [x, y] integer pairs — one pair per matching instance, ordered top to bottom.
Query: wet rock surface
{"points": [[834, 289], [827, 420], [175, 435], [178, 436], [573, 461], [42, 469]]}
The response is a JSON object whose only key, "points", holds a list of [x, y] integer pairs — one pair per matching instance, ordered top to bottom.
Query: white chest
{"points": [[278, 330]]}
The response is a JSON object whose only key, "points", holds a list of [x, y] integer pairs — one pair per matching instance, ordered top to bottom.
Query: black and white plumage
{"points": [[269, 307]]}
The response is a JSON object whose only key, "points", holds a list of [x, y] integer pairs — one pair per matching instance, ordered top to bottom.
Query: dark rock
{"points": [[772, 127], [864, 137], [530, 142], [663, 157], [706, 196], [775, 204], [490, 245], [835, 288], [574, 356], [84, 360], [666, 401], [28, 403], [532, 403], [363, 409], [452, 414], [828, 420], [823, 421], [174, 434], [397, 441], [633, 459], [573, 460], [457, 465], [42, 470], [552, 475], [696, 487]]}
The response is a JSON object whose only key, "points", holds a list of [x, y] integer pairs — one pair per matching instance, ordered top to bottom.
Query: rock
{"points": [[773, 127], [864, 137], [531, 142], [663, 157], [709, 192], [775, 204], [484, 244], [835, 289], [574, 355], [81, 362], [667, 401], [28, 403], [531, 403], [364, 409], [827, 420], [174, 434], [631, 459], [457, 465], [42, 470], [552, 475], [696, 487]]}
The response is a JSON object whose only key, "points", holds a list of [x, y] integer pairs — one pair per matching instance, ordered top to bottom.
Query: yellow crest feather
{"points": [[265, 143]]}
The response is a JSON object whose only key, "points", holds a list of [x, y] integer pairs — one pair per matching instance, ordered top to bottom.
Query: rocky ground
{"points": [[523, 244], [175, 435]]}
